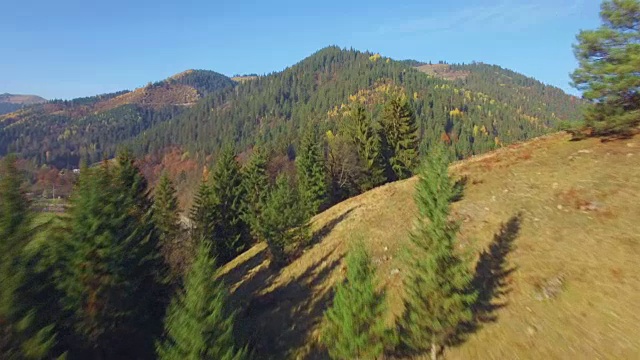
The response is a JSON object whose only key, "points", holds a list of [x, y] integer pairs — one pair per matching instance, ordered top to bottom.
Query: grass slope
{"points": [[569, 213]]}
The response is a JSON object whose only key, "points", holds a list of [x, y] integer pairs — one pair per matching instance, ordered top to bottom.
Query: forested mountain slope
{"points": [[488, 108], [61, 132]]}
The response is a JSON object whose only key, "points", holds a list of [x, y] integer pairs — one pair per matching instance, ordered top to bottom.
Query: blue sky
{"points": [[71, 48]]}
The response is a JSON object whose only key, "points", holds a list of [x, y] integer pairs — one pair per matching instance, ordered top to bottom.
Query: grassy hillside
{"points": [[561, 215]]}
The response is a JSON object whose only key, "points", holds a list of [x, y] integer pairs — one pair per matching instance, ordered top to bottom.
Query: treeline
{"points": [[205, 81], [88, 100]]}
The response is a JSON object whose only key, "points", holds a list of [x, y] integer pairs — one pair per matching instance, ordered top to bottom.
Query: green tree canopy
{"points": [[608, 73], [400, 137], [312, 174], [284, 220], [231, 234], [176, 248], [113, 276], [439, 295], [198, 324], [355, 326]]}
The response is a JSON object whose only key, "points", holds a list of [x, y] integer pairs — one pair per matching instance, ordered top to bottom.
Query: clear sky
{"points": [[72, 48]]}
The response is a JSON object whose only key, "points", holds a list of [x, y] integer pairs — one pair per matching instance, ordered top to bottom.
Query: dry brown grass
{"points": [[442, 71], [166, 94], [580, 233]]}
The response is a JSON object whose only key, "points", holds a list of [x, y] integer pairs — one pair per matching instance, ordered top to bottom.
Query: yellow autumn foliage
{"points": [[455, 113]]}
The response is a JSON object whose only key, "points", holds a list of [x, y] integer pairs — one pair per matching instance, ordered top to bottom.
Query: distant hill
{"points": [[13, 102], [61, 132], [548, 215]]}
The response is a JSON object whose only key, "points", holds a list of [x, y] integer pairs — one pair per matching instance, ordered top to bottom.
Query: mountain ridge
{"points": [[195, 110]]}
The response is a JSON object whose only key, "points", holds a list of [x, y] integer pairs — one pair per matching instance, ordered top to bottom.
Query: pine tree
{"points": [[608, 72], [399, 138], [367, 141], [312, 175], [256, 184], [202, 211], [284, 221], [231, 234], [175, 247], [113, 273], [439, 295], [27, 296], [198, 324], [355, 326]]}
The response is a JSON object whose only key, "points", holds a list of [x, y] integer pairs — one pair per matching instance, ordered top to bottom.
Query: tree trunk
{"points": [[434, 350]]}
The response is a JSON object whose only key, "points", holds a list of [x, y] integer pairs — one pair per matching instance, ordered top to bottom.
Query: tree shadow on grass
{"points": [[321, 233], [318, 235], [493, 271], [491, 279], [282, 319]]}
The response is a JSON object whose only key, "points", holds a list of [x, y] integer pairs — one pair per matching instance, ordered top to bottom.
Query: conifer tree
{"points": [[608, 72], [399, 138], [367, 141], [312, 175], [256, 184], [202, 211], [166, 217], [15, 220], [284, 221], [231, 234], [113, 273], [439, 295], [27, 296], [198, 323], [355, 326]]}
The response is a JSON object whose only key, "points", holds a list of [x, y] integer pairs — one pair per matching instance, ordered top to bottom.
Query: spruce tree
{"points": [[399, 138], [367, 141], [312, 175], [256, 184], [202, 211], [166, 217], [284, 220], [15, 221], [231, 234], [113, 273], [438, 286], [28, 297], [198, 325], [355, 326]]}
